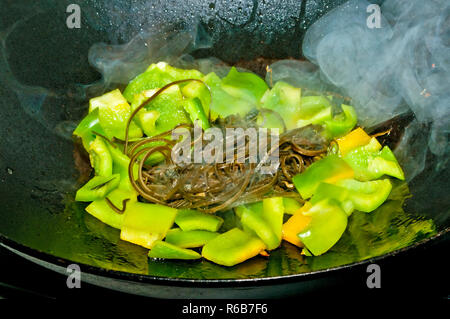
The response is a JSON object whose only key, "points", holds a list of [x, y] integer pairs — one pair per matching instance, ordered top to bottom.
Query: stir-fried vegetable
{"points": [[113, 114], [85, 130], [326, 169], [329, 169], [98, 187], [194, 220], [328, 222], [143, 224], [189, 238], [232, 247], [165, 250]]}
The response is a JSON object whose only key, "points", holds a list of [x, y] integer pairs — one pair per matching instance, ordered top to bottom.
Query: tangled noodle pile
{"points": [[220, 185]]}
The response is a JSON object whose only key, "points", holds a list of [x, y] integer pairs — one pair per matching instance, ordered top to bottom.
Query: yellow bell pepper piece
{"points": [[354, 139], [295, 225]]}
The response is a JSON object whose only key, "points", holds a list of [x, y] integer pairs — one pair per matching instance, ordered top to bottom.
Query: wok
{"points": [[45, 83]]}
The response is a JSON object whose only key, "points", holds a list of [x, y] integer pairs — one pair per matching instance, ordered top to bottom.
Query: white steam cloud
{"points": [[402, 66]]}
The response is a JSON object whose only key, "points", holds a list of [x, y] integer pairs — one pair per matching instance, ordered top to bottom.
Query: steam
{"points": [[121, 63], [402, 66]]}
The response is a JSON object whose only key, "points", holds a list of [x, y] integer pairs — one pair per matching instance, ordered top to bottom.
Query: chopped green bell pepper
{"points": [[156, 76], [244, 85], [200, 91], [112, 99], [225, 100], [286, 100], [312, 105], [169, 106], [314, 110], [298, 111], [113, 113], [196, 113], [270, 119], [147, 121], [90, 123], [342, 123], [100, 157], [155, 157], [369, 163], [385, 164], [120, 166], [328, 169], [97, 187], [326, 190], [338, 193], [367, 196], [291, 205], [256, 207], [102, 211], [273, 211], [264, 219], [194, 220], [230, 220], [254, 221], [144, 223], [328, 223], [189, 238], [232, 247], [166, 250]]}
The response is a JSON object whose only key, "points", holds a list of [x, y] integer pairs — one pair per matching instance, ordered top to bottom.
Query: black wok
{"points": [[45, 83]]}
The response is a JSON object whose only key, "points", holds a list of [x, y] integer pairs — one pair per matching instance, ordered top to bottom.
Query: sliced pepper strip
{"points": [[156, 76], [244, 85], [284, 99], [223, 102], [167, 106], [113, 113], [196, 113], [147, 120], [89, 124], [341, 124], [100, 157], [369, 163], [386, 164], [120, 166], [328, 169], [97, 187], [338, 193], [367, 196], [291, 205], [101, 210], [273, 211], [188, 219], [255, 221], [143, 223], [328, 223], [190, 238], [232, 247], [165, 250]]}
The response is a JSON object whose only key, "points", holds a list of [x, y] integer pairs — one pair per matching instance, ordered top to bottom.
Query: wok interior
{"points": [[44, 88]]}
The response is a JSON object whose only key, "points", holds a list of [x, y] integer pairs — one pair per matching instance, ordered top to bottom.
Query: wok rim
{"points": [[53, 260]]}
